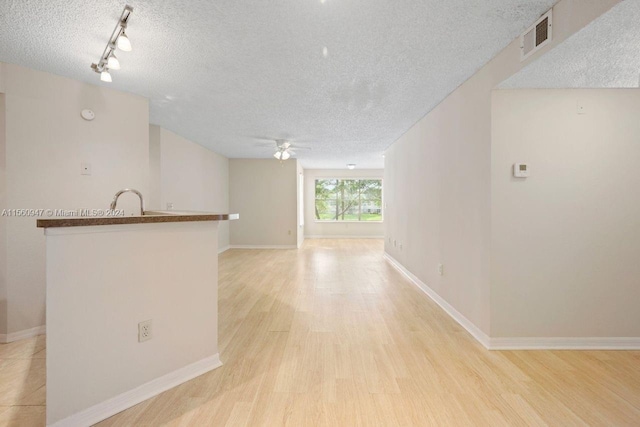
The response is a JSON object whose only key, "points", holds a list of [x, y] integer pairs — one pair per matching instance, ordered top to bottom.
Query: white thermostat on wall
{"points": [[521, 170]]}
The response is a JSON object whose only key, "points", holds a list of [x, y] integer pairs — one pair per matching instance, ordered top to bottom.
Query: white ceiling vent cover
{"points": [[536, 36]]}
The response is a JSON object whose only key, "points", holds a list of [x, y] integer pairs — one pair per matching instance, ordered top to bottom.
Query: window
{"points": [[348, 200]]}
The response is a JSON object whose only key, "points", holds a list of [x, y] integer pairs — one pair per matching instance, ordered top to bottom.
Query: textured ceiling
{"points": [[604, 54], [219, 72]]}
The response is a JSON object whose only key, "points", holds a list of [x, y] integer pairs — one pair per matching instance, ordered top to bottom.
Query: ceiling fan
{"points": [[284, 148]]}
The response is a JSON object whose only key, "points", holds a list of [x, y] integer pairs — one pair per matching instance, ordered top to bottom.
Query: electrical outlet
{"points": [[169, 206], [400, 245], [440, 269], [144, 331]]}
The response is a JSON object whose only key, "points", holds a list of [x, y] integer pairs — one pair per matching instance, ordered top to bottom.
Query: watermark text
{"points": [[64, 213]]}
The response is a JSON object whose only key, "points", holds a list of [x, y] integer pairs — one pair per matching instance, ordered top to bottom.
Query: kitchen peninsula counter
{"points": [[150, 217], [106, 277]]}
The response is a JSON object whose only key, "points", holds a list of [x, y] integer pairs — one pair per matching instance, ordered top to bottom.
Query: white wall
{"points": [[46, 141], [190, 177], [438, 180], [263, 192], [153, 201], [300, 204], [3, 223], [313, 228], [566, 240]]}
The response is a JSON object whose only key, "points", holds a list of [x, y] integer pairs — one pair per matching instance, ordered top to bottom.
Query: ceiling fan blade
{"points": [[261, 138]]}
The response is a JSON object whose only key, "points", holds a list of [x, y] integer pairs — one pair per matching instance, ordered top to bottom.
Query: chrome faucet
{"points": [[127, 190]]}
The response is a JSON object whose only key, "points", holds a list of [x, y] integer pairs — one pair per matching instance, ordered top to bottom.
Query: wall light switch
{"points": [[85, 169]]}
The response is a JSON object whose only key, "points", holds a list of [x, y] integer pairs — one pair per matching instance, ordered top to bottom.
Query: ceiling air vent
{"points": [[536, 36]]}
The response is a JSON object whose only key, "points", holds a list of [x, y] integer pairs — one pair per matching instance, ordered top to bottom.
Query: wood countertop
{"points": [[150, 217]]}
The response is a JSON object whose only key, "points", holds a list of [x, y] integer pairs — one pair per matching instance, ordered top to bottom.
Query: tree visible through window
{"points": [[348, 200]]}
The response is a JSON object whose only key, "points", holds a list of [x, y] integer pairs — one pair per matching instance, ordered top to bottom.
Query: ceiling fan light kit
{"points": [[282, 152], [282, 155]]}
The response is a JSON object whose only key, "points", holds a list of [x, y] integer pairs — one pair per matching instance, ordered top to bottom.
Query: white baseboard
{"points": [[323, 236], [263, 246], [224, 249], [448, 308], [24, 334], [520, 343], [565, 343], [119, 403]]}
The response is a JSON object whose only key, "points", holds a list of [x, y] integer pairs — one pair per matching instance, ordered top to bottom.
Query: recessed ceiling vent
{"points": [[536, 36]]}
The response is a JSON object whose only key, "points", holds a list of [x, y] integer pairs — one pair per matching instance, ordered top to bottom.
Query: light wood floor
{"points": [[332, 335], [22, 380]]}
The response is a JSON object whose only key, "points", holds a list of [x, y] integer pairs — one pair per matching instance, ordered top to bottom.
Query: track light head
{"points": [[124, 43], [112, 62], [105, 76]]}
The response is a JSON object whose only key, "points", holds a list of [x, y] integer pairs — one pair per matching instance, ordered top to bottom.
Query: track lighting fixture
{"points": [[108, 60]]}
